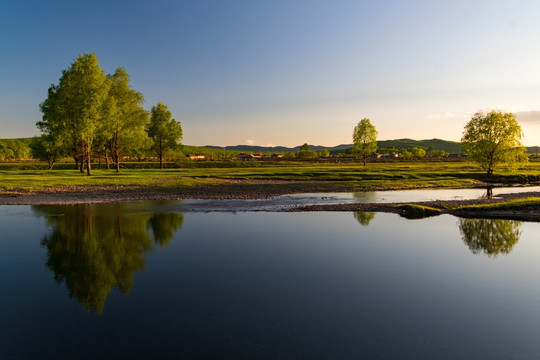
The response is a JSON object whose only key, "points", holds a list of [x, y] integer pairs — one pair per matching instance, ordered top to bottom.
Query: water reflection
{"points": [[489, 193], [364, 217], [490, 236], [93, 248]]}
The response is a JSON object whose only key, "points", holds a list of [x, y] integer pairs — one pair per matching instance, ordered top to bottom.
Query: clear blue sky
{"points": [[285, 72]]}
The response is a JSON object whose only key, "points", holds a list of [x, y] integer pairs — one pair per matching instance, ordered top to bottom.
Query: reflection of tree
{"points": [[365, 197], [364, 217], [164, 225], [490, 236], [93, 248]]}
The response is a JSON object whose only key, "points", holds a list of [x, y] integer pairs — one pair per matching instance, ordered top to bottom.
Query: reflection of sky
{"points": [[273, 280]]}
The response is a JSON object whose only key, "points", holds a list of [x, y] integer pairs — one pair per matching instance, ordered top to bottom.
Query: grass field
{"points": [[304, 176]]}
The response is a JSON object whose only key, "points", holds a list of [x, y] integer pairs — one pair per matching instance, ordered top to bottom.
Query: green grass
{"points": [[306, 176], [532, 202], [415, 211]]}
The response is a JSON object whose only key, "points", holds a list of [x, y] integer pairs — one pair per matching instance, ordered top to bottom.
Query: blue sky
{"points": [[285, 72]]}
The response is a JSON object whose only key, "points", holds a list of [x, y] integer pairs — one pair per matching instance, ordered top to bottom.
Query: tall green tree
{"points": [[73, 109], [126, 118], [166, 133], [364, 139], [493, 139]]}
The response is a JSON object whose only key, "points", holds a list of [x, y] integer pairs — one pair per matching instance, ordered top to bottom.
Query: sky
{"points": [[285, 72]]}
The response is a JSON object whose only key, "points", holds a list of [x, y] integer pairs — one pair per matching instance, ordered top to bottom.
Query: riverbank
{"points": [[265, 189], [524, 206]]}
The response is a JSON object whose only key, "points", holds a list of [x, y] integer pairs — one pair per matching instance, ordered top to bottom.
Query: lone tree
{"points": [[165, 132], [364, 139], [492, 139]]}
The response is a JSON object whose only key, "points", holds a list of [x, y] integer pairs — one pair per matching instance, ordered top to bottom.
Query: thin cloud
{"points": [[442, 116], [530, 117], [250, 142]]}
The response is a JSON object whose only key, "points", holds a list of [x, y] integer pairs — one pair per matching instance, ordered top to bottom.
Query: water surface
{"points": [[138, 280]]}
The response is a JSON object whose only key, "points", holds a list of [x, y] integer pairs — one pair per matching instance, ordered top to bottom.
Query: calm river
{"points": [[140, 280]]}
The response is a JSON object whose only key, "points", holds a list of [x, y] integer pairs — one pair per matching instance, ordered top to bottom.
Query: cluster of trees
{"points": [[89, 113], [490, 139], [14, 149], [306, 153]]}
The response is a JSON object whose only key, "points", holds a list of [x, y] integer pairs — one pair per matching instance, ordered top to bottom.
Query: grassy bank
{"points": [[296, 176]]}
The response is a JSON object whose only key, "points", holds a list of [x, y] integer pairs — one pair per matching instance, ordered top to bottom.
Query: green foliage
{"points": [[73, 109], [127, 120], [166, 133], [364, 139], [492, 139], [451, 147], [47, 148], [14, 149], [306, 153], [324, 153], [418, 153], [504, 205], [414, 211], [364, 217], [489, 236]]}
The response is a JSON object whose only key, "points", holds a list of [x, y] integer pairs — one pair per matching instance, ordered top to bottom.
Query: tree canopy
{"points": [[73, 109], [127, 120], [166, 133], [364, 139], [492, 139]]}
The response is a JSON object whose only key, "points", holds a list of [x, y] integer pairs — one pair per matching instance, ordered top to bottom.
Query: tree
{"points": [[73, 109], [126, 119], [165, 132], [364, 139], [492, 139], [46, 148], [305, 152], [418, 152], [324, 153]]}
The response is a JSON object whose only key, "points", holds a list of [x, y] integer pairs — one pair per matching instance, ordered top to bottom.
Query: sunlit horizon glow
{"points": [[285, 73]]}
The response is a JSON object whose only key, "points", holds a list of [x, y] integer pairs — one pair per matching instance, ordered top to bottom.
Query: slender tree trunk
{"points": [[117, 156], [106, 158], [161, 161], [88, 168]]}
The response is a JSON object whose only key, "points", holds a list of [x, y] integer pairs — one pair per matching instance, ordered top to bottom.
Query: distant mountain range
{"points": [[448, 146]]}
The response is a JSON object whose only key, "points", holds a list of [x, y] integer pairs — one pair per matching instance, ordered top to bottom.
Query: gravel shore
{"points": [[85, 195]]}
